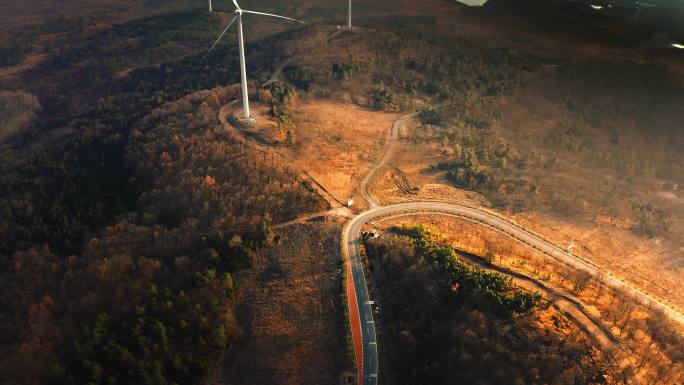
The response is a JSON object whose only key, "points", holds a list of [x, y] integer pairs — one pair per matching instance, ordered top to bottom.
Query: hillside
{"points": [[197, 220], [145, 239], [467, 325]]}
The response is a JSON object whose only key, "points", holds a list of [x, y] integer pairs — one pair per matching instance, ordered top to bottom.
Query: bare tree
{"points": [[581, 280], [599, 286]]}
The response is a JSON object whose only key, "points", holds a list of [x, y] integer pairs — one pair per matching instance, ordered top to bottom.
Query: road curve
{"points": [[392, 136], [519, 234], [360, 310], [361, 313], [361, 320]]}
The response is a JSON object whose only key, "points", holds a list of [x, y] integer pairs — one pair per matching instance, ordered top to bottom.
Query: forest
{"points": [[10, 54], [17, 111], [529, 132], [630, 137], [42, 187], [126, 208], [159, 277], [466, 325]]}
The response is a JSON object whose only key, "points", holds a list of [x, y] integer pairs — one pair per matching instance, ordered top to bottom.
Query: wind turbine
{"points": [[211, 10], [237, 15], [348, 16]]}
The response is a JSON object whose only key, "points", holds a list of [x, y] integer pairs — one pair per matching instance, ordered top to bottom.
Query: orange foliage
{"points": [[209, 181]]}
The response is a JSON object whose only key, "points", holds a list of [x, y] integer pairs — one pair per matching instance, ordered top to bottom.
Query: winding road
{"points": [[392, 136], [359, 303], [360, 308]]}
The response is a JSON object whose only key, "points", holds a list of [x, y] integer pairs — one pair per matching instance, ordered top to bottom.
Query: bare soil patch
{"points": [[338, 143], [600, 232], [650, 264], [291, 308]]}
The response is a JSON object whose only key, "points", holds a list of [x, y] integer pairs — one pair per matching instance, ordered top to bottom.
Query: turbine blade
{"points": [[236, 4], [272, 15], [222, 34]]}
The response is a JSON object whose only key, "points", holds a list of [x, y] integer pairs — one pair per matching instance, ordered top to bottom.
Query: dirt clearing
{"points": [[337, 143], [291, 309]]}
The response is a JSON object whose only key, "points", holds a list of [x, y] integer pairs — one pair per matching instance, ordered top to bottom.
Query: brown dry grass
{"points": [[16, 14], [31, 60], [337, 143], [414, 159], [600, 233], [513, 256], [650, 264], [291, 310]]}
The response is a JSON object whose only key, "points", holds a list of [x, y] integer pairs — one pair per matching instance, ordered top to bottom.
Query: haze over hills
{"points": [[653, 25], [442, 194]]}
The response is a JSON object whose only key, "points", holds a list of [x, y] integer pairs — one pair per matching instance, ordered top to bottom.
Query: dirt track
{"points": [[368, 363]]}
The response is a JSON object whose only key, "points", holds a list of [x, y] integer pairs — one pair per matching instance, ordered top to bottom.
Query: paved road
{"points": [[361, 313], [361, 318]]}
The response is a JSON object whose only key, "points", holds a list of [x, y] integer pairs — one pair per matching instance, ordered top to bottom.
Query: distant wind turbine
{"points": [[211, 10], [348, 16], [241, 45]]}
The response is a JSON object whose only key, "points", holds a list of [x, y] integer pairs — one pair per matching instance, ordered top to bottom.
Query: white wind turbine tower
{"points": [[348, 16], [241, 45]]}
